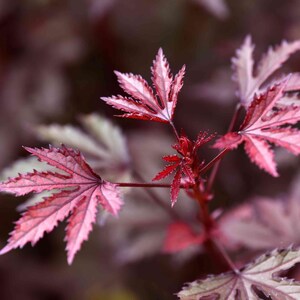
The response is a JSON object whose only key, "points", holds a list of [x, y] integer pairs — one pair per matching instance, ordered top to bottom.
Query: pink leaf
{"points": [[243, 66], [162, 78], [249, 80], [138, 88], [175, 89], [144, 104], [266, 122], [230, 140], [260, 153], [82, 191], [264, 223], [80, 224], [180, 236]]}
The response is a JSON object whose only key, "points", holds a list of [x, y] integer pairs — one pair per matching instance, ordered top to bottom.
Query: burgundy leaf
{"points": [[169, 169], [175, 187], [82, 191]]}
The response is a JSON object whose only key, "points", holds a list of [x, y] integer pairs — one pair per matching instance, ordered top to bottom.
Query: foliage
{"points": [[77, 191], [81, 192], [259, 276]]}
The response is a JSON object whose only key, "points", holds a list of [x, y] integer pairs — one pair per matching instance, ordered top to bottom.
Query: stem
{"points": [[174, 129], [213, 161], [216, 166], [143, 185], [147, 185], [172, 213], [207, 221], [212, 246], [225, 256]]}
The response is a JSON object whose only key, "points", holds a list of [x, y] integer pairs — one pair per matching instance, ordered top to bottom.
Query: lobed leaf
{"points": [[249, 80], [144, 104], [264, 123], [101, 142], [81, 191], [264, 223], [262, 275]]}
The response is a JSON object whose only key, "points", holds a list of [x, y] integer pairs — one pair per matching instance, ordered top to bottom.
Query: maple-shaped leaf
{"points": [[250, 80], [292, 89], [143, 103], [265, 122], [101, 142], [186, 163], [81, 191], [263, 223], [260, 277]]}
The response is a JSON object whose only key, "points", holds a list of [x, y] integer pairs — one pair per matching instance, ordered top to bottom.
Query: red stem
{"points": [[174, 129], [213, 161], [216, 166], [148, 185], [172, 213], [213, 247]]}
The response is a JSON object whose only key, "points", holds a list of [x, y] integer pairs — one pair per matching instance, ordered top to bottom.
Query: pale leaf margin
{"points": [[263, 274]]}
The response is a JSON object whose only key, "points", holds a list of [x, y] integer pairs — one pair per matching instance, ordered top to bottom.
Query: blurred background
{"points": [[57, 59]]}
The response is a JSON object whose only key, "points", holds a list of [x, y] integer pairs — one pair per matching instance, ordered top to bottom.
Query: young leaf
{"points": [[249, 80], [144, 104], [263, 123], [188, 164], [81, 191], [245, 284]]}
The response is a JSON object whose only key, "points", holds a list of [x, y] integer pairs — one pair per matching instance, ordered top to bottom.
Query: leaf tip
{"points": [[6, 249]]}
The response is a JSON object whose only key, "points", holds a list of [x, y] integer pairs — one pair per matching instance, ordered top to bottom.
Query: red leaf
{"points": [[145, 105], [265, 122], [171, 158], [165, 172], [175, 187], [82, 191], [180, 236]]}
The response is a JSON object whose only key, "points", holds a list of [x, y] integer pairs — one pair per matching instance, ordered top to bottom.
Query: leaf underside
{"points": [[261, 276]]}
